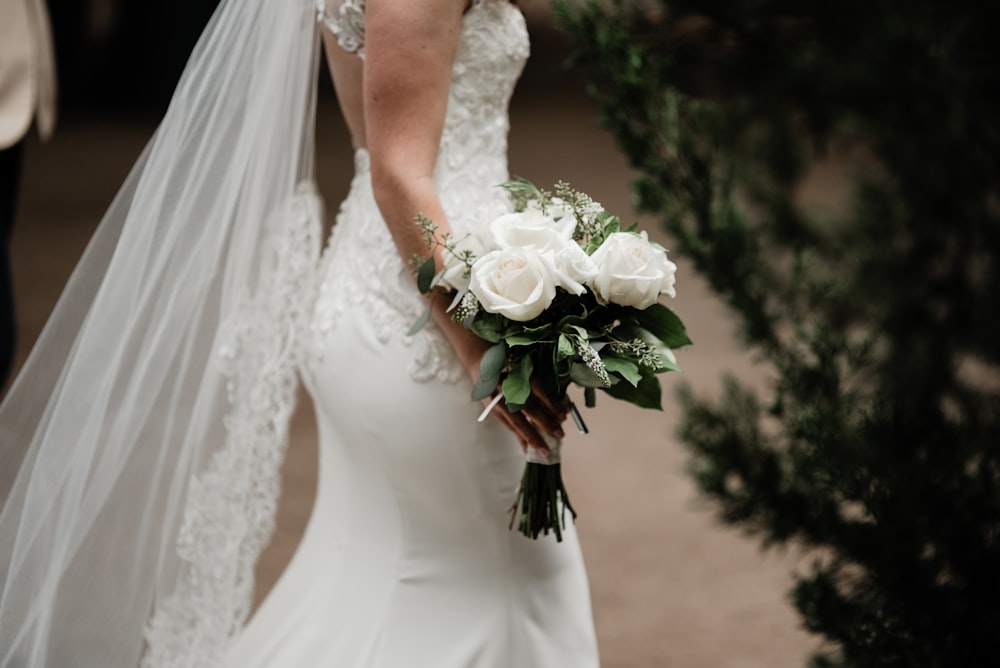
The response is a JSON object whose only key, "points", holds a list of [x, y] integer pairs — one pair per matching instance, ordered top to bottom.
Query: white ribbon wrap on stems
{"points": [[535, 456]]}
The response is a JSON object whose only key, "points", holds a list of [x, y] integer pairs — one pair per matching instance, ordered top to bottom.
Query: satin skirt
{"points": [[407, 560]]}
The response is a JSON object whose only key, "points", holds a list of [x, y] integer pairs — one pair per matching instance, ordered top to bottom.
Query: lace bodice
{"points": [[346, 20], [361, 264]]}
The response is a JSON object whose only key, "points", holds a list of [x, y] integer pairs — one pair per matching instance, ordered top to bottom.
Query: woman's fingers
{"points": [[541, 396], [542, 411], [538, 416], [545, 418], [526, 432]]}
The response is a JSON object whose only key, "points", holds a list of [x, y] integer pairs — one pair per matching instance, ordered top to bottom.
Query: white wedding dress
{"points": [[408, 560]]}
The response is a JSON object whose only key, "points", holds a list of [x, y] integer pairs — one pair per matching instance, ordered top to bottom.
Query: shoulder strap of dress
{"points": [[346, 20]]}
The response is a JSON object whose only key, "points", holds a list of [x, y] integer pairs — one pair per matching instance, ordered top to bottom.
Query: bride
{"points": [[141, 444]]}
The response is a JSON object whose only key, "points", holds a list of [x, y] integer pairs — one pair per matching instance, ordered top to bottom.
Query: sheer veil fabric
{"points": [[140, 445]]}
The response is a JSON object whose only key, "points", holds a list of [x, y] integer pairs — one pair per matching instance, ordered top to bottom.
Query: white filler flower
{"points": [[631, 271], [514, 282]]}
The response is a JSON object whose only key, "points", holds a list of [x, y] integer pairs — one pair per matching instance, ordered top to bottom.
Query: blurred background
{"points": [[670, 587]]}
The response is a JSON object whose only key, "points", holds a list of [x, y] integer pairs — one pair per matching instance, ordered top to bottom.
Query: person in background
{"points": [[27, 98]]}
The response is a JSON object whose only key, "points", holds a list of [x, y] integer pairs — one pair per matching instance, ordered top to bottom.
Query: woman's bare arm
{"points": [[410, 48]]}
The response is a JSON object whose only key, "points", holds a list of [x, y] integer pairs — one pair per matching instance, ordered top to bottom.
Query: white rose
{"points": [[484, 215], [532, 229], [477, 241], [572, 268], [631, 271], [514, 282]]}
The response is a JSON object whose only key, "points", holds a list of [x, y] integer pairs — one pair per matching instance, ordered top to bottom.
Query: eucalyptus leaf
{"points": [[425, 276], [438, 276], [458, 298], [420, 323], [493, 360], [484, 387]]}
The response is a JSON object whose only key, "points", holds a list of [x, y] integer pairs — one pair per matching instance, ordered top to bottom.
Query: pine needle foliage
{"points": [[878, 445]]}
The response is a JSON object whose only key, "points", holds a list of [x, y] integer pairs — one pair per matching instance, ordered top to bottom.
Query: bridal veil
{"points": [[140, 445]]}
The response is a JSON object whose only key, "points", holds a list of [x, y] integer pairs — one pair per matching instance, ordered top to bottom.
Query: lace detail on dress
{"points": [[346, 22], [491, 53], [361, 264], [231, 505]]}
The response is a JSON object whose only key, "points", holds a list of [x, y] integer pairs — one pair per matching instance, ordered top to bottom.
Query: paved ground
{"points": [[671, 588]]}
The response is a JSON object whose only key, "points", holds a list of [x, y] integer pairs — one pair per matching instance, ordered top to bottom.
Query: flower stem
{"points": [[541, 502]]}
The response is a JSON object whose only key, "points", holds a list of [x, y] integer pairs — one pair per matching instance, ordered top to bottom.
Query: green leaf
{"points": [[593, 244], [425, 275], [438, 276], [458, 298], [568, 321], [420, 323], [664, 324], [490, 327], [540, 331], [520, 340], [564, 348], [493, 360], [668, 364], [627, 369], [584, 376], [517, 384], [484, 387], [647, 394]]}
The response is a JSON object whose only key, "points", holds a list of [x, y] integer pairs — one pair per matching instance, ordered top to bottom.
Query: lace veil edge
{"points": [[140, 445]]}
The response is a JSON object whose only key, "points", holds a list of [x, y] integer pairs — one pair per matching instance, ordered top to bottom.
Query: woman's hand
{"points": [[538, 416]]}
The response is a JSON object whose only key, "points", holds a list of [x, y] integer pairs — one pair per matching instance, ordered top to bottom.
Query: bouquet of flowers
{"points": [[567, 296]]}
